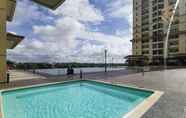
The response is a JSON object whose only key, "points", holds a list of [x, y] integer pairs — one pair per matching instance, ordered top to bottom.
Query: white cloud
{"points": [[121, 9], [80, 10], [26, 13], [64, 31], [69, 38], [60, 41], [116, 45]]}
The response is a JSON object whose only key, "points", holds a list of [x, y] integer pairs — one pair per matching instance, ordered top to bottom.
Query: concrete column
{"points": [[3, 17]]}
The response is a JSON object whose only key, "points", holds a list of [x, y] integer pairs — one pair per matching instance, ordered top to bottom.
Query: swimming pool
{"points": [[75, 99]]}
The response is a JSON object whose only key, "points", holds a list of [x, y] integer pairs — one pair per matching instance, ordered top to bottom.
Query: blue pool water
{"points": [[78, 99]]}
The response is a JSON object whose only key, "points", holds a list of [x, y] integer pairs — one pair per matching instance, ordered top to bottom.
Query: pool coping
{"points": [[144, 106], [136, 112]]}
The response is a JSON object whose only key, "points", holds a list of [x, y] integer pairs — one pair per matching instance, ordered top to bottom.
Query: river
{"points": [[62, 71]]}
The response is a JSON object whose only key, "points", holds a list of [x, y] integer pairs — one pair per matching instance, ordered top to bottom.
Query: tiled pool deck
{"points": [[172, 82]]}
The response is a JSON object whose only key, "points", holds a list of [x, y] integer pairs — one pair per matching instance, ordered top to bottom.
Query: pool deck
{"points": [[173, 82]]}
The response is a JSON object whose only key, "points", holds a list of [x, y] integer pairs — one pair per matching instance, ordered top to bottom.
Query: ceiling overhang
{"points": [[52, 4], [13, 40]]}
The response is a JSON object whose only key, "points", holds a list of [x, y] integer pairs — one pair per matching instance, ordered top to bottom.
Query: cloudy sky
{"points": [[78, 31]]}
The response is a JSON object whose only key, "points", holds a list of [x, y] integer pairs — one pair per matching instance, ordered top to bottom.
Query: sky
{"points": [[78, 31]]}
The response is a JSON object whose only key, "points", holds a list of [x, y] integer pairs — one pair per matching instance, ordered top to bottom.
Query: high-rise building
{"points": [[149, 31]]}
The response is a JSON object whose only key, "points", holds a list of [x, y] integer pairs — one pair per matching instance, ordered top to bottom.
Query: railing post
{"points": [[81, 75]]}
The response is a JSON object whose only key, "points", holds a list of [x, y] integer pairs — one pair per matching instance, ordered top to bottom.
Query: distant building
{"points": [[149, 31]]}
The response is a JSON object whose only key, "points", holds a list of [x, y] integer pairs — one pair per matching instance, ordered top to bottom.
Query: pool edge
{"points": [[24, 87], [1, 106], [143, 107], [137, 112]]}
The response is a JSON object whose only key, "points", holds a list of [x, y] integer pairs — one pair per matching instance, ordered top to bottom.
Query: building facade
{"points": [[149, 30]]}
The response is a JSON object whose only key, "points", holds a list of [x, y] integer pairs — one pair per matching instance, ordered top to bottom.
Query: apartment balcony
{"points": [[137, 26], [145, 30], [183, 31], [174, 35], [144, 38], [157, 40], [145, 41], [145, 44], [173, 46], [145, 47], [173, 50], [146, 52], [157, 52], [173, 53], [157, 56], [136, 59]]}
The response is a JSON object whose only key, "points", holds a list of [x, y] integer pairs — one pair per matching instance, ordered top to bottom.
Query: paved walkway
{"points": [[22, 75], [172, 82]]}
